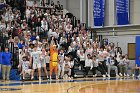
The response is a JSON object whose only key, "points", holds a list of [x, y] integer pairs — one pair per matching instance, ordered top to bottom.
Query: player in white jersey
{"points": [[43, 58], [36, 64], [61, 64], [25, 67], [67, 67]]}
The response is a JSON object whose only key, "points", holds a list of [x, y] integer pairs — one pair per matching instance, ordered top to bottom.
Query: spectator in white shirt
{"points": [[44, 24], [68, 27], [81, 55], [127, 62], [61, 64], [88, 65], [121, 65], [111, 66], [98, 67]]}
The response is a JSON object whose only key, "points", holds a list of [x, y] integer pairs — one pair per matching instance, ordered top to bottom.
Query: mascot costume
{"points": [[53, 60]]}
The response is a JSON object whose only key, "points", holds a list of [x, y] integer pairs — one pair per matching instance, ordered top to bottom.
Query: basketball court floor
{"points": [[81, 85]]}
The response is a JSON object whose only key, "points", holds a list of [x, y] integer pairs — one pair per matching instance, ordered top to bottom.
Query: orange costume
{"points": [[53, 59]]}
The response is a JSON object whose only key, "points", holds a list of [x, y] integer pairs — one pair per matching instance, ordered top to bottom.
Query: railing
{"points": [[14, 50]]}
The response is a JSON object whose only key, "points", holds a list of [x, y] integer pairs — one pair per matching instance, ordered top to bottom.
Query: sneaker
{"points": [[120, 74], [75, 75], [95, 75], [108, 75], [117, 75], [124, 75], [128, 75], [133, 75], [104, 76], [138, 76], [47, 77], [32, 78], [69, 78]]}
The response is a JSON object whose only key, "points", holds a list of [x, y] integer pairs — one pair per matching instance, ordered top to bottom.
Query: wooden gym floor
{"points": [[88, 85]]}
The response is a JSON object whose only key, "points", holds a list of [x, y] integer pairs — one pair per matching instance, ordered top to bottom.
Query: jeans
{"points": [[99, 68], [112, 68], [87, 69], [122, 69], [5, 72]]}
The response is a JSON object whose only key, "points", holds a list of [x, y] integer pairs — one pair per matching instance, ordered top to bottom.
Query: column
{"points": [[83, 11]]}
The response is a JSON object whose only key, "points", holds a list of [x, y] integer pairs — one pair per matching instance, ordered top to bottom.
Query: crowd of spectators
{"points": [[39, 29]]}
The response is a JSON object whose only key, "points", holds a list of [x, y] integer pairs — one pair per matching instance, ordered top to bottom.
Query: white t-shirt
{"points": [[28, 13], [36, 56], [82, 57], [88, 63]]}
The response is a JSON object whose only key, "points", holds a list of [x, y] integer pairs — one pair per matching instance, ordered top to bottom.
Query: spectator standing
{"points": [[6, 64]]}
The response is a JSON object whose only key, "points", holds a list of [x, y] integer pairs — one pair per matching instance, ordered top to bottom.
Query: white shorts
{"points": [[36, 65], [27, 71]]}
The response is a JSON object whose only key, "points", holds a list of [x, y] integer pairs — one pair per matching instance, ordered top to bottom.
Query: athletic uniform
{"points": [[36, 59], [43, 60], [61, 65], [25, 67], [67, 67]]}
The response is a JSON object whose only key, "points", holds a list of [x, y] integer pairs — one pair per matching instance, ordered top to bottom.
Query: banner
{"points": [[122, 11], [98, 12], [137, 47]]}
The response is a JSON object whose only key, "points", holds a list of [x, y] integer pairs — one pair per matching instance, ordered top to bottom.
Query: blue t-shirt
{"points": [[33, 38], [20, 46], [0, 57], [6, 57], [138, 63]]}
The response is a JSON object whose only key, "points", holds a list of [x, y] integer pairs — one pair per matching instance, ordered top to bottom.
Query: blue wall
{"points": [[137, 47]]}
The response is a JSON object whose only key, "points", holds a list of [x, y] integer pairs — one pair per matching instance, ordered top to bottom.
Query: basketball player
{"points": [[35, 60], [53, 60], [43, 61], [61, 64], [25, 67], [67, 68]]}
